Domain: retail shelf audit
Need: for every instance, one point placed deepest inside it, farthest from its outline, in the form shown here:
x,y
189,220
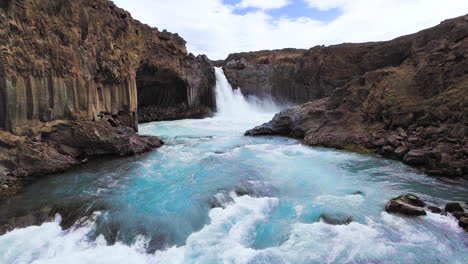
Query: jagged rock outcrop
x,y
406,99
83,61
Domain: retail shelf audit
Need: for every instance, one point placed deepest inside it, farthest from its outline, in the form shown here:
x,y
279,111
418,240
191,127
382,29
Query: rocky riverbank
x,y
411,205
62,145
405,99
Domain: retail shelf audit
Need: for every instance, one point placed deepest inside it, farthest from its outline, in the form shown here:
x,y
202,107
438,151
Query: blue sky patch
x,y
296,9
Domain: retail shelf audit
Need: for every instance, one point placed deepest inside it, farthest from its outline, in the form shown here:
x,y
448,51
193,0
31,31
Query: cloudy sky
x,y
220,27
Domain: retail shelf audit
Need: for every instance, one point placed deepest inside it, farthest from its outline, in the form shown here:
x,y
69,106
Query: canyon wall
x,y
84,69
75,60
406,99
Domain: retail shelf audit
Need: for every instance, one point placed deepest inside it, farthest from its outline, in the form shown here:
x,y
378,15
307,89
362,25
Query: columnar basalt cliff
x,y
406,99
85,70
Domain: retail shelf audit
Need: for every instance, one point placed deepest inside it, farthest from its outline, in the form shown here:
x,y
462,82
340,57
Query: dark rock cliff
x,y
406,99
64,63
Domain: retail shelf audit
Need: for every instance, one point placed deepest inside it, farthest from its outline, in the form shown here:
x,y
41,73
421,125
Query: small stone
x,y
4,187
453,207
434,209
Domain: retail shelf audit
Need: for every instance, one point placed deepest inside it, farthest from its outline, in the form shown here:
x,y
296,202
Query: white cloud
x,y
329,4
211,27
263,4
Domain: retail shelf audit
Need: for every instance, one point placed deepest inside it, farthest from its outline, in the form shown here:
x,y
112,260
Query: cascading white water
x,y
232,104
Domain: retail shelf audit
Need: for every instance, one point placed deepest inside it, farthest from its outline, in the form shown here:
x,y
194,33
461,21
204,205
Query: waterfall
x,y
231,103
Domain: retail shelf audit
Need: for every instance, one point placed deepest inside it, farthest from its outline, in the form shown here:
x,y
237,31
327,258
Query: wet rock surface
x,y
453,207
409,205
392,101
336,220
434,209
65,145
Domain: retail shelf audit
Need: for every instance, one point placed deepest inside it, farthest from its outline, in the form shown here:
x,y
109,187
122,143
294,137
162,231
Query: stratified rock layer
x,y
406,99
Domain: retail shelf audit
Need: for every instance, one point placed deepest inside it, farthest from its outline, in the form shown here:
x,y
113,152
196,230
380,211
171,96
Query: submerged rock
x,y
221,199
409,204
336,220
453,207
255,188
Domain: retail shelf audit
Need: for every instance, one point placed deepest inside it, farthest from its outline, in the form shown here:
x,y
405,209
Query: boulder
x,y
380,142
395,140
336,220
415,157
434,209
387,150
453,207
409,205
401,151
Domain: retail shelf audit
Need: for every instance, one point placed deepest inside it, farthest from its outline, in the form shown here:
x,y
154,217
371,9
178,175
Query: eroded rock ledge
x,y
405,99
62,145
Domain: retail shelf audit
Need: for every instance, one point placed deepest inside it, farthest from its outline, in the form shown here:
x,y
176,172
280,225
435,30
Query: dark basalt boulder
x,y
336,220
409,205
434,209
453,207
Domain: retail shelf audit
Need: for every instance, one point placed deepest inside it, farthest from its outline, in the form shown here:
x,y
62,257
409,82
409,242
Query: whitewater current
x,y
212,195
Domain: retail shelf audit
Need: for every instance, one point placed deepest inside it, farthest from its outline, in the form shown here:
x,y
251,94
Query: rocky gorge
x,y
75,76
405,99
119,146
